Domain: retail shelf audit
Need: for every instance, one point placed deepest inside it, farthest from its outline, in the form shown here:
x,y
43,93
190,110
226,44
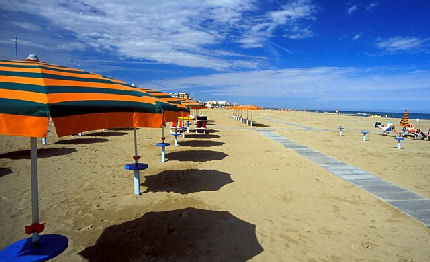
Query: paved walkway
x,y
406,201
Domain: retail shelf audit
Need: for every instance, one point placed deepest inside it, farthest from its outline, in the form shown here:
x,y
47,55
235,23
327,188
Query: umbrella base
x,y
50,246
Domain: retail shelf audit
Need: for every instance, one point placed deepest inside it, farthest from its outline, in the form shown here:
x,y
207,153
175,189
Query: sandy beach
x,y
230,195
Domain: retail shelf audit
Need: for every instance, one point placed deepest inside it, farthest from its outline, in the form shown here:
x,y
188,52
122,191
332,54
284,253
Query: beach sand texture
x,y
231,195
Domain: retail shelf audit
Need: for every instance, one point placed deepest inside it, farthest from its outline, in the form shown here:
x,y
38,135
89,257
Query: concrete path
x,y
406,201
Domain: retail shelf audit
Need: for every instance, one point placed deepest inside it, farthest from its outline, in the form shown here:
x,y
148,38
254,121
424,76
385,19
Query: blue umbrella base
x,y
163,144
50,246
133,166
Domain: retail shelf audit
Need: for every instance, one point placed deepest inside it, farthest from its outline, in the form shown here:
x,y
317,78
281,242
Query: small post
x,y
44,140
399,141
364,135
340,130
163,154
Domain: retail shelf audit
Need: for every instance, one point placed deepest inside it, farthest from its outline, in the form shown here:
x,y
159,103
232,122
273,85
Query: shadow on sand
x,y
205,136
81,141
187,181
5,171
122,129
196,155
107,133
179,235
200,143
259,125
41,153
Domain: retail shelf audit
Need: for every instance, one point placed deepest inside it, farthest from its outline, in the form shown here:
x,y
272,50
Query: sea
x,y
411,115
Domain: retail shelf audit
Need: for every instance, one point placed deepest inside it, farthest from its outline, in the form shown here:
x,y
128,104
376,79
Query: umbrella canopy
x,y
192,104
404,121
170,115
33,91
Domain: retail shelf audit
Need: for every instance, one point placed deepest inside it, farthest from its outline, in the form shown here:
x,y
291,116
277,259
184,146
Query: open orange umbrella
x,y
31,92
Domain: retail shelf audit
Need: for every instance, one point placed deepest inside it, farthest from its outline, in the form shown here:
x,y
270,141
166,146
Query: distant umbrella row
x,y
239,115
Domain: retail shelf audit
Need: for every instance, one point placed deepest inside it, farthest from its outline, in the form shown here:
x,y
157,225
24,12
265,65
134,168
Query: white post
x,y
136,171
34,190
44,140
163,154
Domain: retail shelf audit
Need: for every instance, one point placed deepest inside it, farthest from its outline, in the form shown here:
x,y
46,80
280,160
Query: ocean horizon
x,y
412,116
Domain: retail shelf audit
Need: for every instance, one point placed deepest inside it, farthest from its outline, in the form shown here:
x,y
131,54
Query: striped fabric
x,y
31,92
169,115
405,119
192,104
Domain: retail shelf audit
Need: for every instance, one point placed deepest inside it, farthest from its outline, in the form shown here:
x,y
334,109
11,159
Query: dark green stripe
x,y
20,107
58,77
23,87
90,107
68,89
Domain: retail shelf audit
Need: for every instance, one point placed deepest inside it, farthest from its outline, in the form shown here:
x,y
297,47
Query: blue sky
x,y
322,54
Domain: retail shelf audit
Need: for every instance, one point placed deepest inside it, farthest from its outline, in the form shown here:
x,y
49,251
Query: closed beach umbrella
x,y
404,121
31,92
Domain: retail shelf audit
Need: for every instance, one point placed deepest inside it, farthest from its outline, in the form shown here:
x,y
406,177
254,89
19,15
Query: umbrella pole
x,y
34,190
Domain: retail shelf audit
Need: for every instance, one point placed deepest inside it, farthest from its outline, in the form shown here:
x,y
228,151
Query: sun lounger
x,y
176,127
201,122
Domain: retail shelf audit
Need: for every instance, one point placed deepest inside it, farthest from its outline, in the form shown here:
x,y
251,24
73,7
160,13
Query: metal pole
x,y
34,190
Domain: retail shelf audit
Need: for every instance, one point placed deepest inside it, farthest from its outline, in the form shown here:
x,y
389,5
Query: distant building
x,y
211,104
180,95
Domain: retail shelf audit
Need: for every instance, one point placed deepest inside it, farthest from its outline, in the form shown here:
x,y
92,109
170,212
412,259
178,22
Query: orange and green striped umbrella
x,y
192,104
405,119
32,91
170,115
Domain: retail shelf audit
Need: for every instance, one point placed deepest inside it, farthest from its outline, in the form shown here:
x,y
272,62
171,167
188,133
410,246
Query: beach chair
x,y
385,130
201,122
176,127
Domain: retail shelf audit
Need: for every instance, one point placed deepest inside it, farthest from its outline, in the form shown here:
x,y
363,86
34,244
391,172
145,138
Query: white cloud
x,y
357,36
371,6
398,44
320,83
287,19
351,9
23,42
173,32
28,26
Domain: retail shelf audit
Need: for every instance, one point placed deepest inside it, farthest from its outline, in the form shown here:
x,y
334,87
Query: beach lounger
x,y
176,127
201,122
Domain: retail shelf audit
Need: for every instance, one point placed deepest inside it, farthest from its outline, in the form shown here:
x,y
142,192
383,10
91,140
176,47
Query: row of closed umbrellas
x,y
32,92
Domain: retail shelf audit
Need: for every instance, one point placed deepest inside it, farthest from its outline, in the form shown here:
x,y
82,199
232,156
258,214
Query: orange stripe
x,y
171,116
17,125
68,97
69,125
22,80
24,95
